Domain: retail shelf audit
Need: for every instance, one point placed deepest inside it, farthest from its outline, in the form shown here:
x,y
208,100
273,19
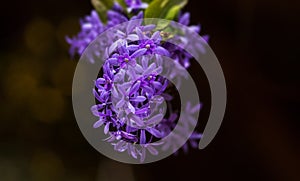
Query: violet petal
x,y
143,137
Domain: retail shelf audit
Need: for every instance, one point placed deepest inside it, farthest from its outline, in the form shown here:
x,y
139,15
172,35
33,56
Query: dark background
x,y
257,44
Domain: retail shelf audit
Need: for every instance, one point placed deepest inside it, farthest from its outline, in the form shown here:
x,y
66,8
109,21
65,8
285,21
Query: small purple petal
x,y
144,6
156,36
137,120
120,146
148,27
106,128
98,124
154,132
195,108
142,111
139,53
196,28
112,61
139,68
132,37
100,81
206,38
129,136
152,150
138,16
132,47
138,99
150,69
120,104
145,62
196,136
131,108
132,151
143,155
148,89
140,33
185,19
135,88
157,85
96,95
110,139
161,51
155,119
143,137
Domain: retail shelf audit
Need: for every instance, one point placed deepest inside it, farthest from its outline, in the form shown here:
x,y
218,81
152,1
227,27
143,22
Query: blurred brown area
x,y
257,43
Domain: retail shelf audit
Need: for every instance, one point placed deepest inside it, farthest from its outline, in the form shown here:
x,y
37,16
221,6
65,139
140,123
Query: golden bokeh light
x,y
39,36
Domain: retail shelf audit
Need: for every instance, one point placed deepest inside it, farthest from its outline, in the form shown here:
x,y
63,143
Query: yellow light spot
x,y
39,36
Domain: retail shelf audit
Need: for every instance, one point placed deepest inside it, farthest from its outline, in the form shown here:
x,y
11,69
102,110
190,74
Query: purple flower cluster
x,y
130,93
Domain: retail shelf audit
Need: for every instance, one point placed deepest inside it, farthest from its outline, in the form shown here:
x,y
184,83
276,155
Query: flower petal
x,y
152,150
156,36
143,155
106,128
131,108
149,27
133,37
120,103
139,68
132,151
140,33
100,81
161,51
135,88
148,90
155,119
98,123
145,62
150,69
143,137
157,85
139,53
138,99
185,19
132,47
154,132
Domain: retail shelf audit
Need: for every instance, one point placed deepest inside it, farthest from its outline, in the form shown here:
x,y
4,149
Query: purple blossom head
x,y
130,92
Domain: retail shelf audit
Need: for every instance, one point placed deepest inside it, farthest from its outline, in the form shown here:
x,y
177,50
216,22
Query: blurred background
x,y
257,44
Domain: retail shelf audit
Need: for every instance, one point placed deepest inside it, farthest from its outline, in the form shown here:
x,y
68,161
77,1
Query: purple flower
x,y
135,5
115,18
91,27
152,45
130,92
125,59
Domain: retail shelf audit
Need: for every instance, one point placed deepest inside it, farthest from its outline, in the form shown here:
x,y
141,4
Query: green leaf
x,y
173,12
166,9
102,6
147,1
122,3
